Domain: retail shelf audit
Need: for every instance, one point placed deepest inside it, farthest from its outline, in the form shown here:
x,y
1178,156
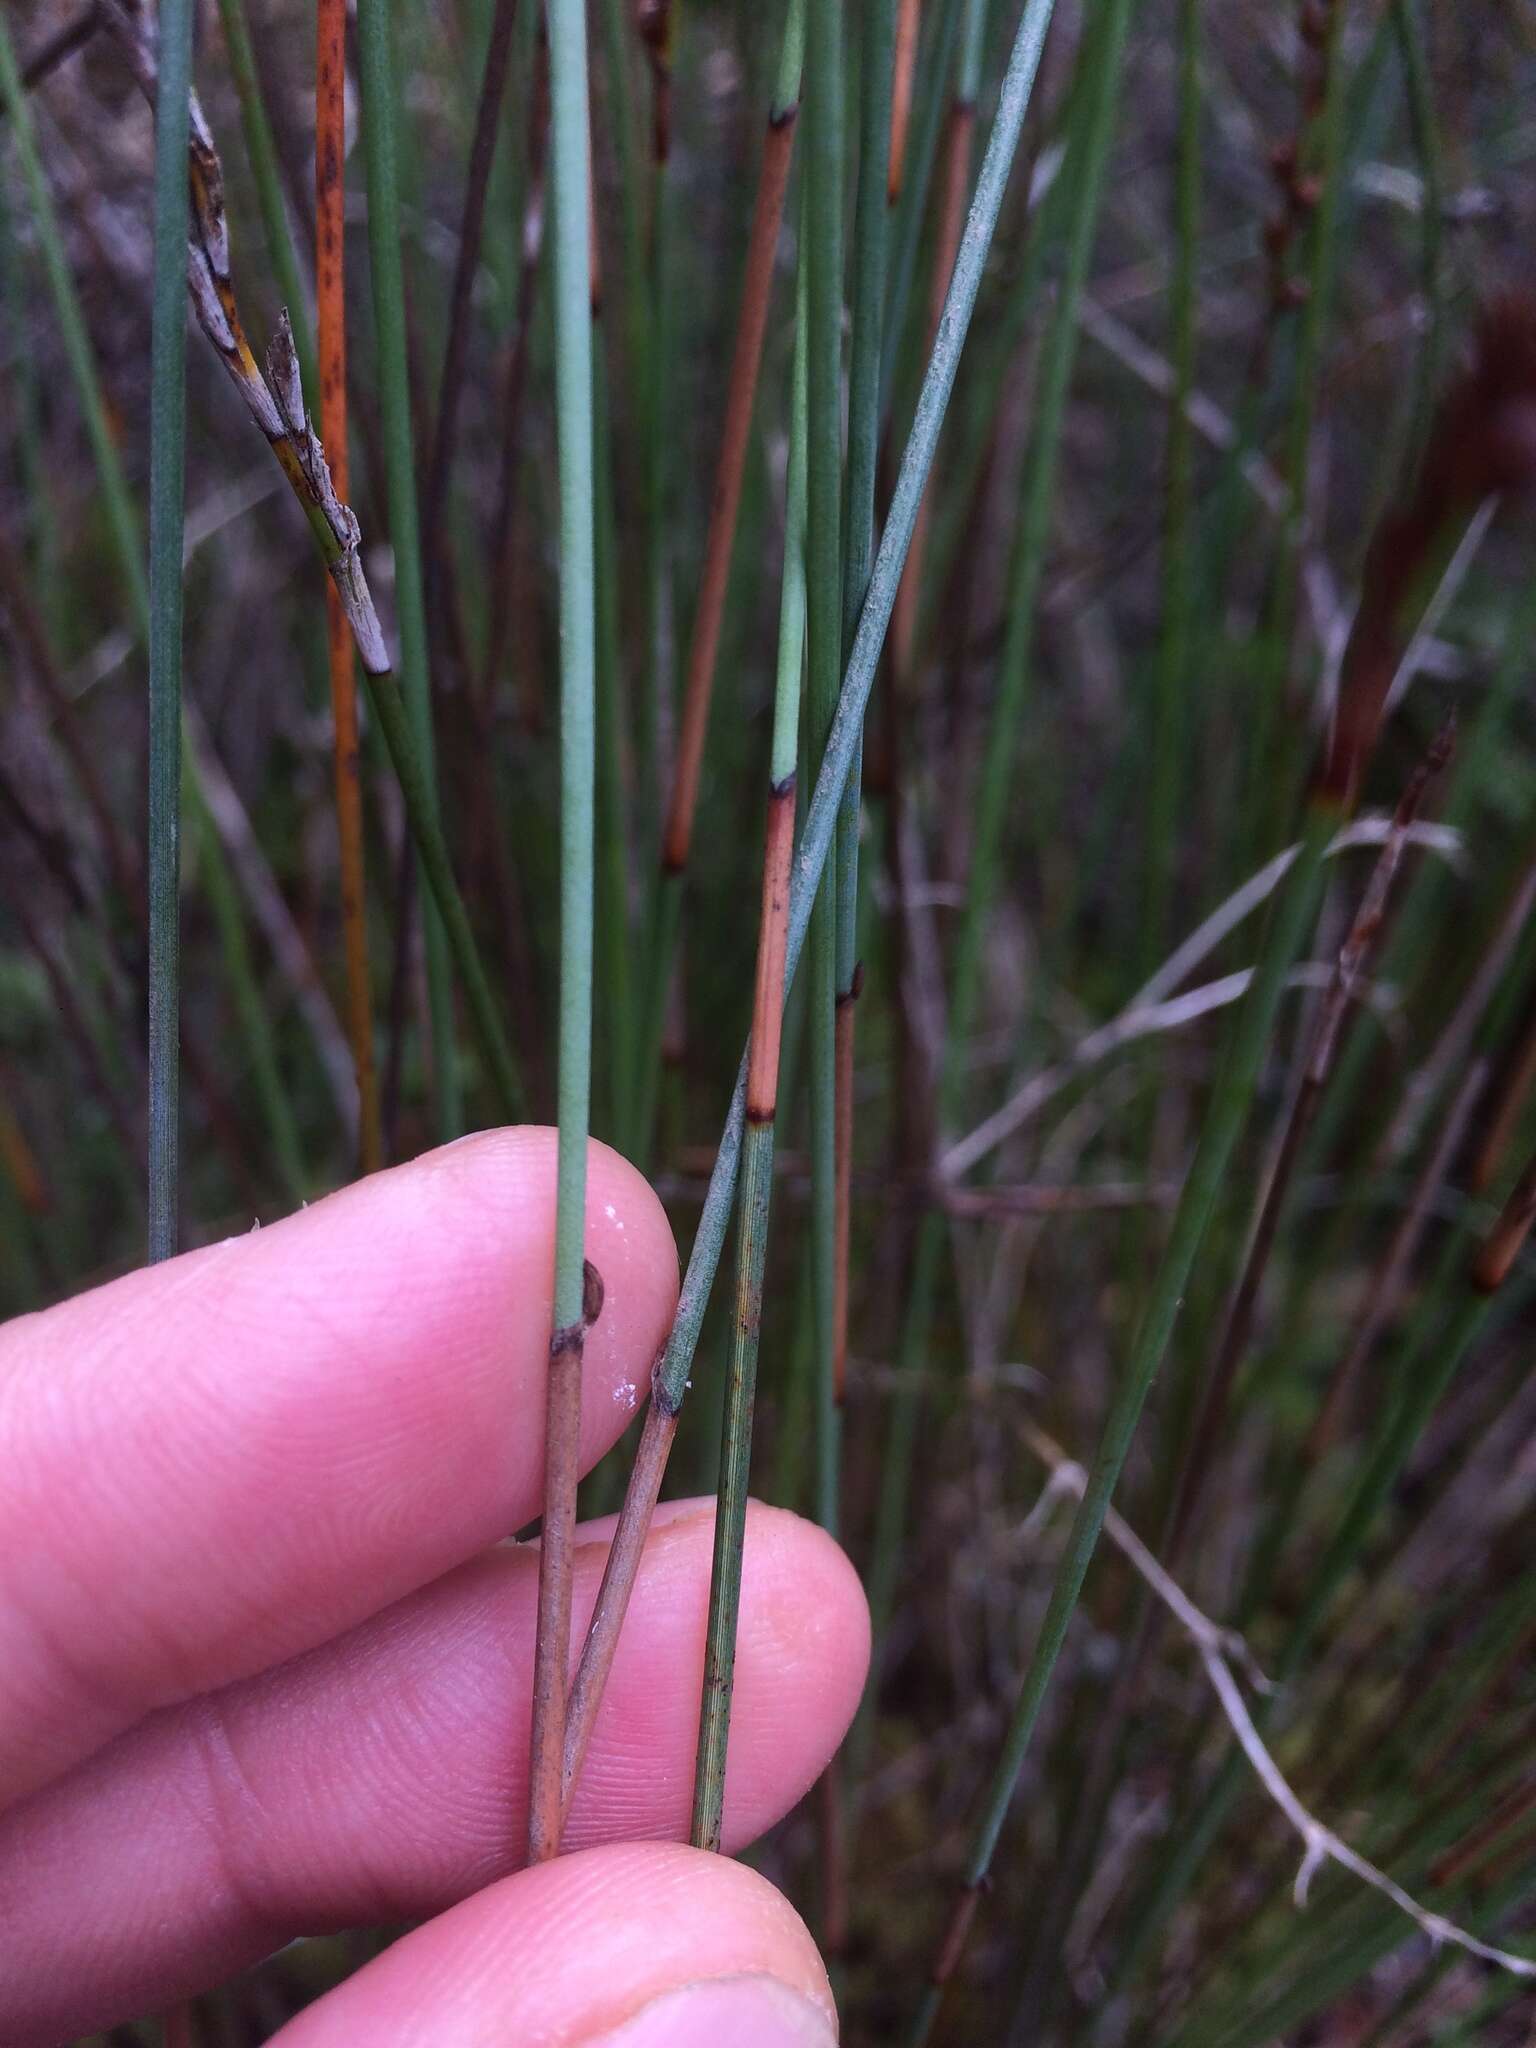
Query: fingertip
x,y
583,1950
491,1179
223,1460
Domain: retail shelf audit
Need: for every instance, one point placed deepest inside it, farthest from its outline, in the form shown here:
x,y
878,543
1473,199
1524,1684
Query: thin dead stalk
x,y
1237,1329
1224,1653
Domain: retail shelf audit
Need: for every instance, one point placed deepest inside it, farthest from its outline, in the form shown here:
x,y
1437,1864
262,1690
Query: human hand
x,y
265,1655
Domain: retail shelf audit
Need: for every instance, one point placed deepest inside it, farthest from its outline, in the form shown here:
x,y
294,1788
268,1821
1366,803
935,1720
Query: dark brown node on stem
x,y
661,1398
592,1293
568,1337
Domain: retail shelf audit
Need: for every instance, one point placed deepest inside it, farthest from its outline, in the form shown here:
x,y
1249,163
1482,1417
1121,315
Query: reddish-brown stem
x,y
619,1574
772,944
956,1936
725,502
19,1161
954,184
1509,1096
1503,1243
557,1550
901,96
330,302
1482,444
1238,1329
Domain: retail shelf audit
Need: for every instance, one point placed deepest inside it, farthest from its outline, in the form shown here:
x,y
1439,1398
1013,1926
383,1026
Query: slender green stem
x,y
1000,771
922,148
757,1158
78,352
670,1379
1431,1359
1096,110
374,30
617,1008
1160,861
1290,924
823,236
431,850
167,504
246,995
1269,789
573,399
261,152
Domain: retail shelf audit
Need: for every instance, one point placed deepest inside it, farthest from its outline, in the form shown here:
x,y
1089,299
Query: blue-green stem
x,y
757,1156
261,151
167,506
670,1379
569,155
375,46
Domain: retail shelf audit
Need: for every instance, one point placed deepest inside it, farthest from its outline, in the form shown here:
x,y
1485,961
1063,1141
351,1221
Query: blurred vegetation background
x,y
1255,298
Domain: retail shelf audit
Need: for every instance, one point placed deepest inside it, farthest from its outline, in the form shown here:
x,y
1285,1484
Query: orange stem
x,y
704,647
901,96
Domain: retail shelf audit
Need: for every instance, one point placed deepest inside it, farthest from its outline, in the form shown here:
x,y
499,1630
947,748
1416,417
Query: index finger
x,y
222,1461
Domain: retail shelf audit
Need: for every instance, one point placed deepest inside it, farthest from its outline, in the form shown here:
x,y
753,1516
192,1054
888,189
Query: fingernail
x,y
725,2012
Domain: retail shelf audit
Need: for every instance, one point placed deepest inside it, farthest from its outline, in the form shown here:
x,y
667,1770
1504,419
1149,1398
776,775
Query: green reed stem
x,y
417,793
245,994
758,1148
261,153
620,1024
670,1379
1290,924
1172,660
375,38
569,156
167,505
1096,112
127,547
870,237
1431,1359
823,231
922,148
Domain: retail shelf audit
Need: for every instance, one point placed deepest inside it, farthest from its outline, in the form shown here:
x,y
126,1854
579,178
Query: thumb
x,y
638,1945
